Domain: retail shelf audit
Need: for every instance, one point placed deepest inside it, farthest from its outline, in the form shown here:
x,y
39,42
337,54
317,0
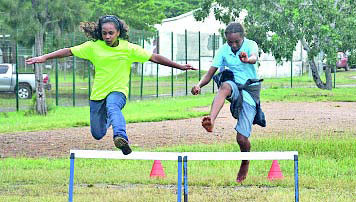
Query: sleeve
x,y
218,60
83,50
254,48
138,54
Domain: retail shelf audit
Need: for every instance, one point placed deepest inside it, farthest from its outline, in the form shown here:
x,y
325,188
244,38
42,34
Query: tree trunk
x,y
319,83
41,106
328,78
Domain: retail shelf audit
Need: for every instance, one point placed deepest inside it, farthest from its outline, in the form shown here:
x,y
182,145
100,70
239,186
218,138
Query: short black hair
x,y
234,27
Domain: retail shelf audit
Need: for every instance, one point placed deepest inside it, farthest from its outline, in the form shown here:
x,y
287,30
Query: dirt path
x,y
329,118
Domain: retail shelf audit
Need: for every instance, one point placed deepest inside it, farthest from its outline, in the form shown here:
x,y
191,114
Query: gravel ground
x,y
302,119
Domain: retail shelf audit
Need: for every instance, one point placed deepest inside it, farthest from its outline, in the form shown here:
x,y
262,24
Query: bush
x,y
352,59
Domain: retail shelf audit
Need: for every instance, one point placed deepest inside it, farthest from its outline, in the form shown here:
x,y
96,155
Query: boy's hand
x,y
195,90
243,57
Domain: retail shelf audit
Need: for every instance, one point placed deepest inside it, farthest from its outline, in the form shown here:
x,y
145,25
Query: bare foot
x,y
207,123
241,176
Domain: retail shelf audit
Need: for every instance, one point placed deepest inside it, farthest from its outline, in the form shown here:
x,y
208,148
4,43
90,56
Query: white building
x,y
178,31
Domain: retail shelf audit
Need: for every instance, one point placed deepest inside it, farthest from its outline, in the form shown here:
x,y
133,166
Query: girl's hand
x,y
188,67
39,59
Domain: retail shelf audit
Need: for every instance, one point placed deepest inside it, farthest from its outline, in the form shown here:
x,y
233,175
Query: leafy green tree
x,y
173,8
323,26
29,20
138,14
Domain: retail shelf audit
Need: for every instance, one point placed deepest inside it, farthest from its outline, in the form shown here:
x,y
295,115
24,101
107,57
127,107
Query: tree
x,y
173,8
138,14
30,20
141,14
323,26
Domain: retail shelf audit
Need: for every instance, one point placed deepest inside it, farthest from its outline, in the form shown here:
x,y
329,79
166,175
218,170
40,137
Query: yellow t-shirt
x,y
112,65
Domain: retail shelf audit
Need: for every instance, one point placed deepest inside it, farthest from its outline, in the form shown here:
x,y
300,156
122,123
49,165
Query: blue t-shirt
x,y
225,58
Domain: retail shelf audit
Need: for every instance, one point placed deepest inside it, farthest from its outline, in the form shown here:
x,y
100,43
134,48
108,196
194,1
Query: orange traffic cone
x,y
275,171
157,169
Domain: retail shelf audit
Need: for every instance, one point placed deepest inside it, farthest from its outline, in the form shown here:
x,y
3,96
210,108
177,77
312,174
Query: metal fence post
x,y
74,65
17,80
157,51
186,61
89,79
213,57
143,46
199,55
130,88
56,76
172,67
291,73
335,78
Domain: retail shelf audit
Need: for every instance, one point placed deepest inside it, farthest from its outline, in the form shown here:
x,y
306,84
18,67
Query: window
x,y
3,69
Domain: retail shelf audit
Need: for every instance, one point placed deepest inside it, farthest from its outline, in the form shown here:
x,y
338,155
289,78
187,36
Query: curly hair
x,y
93,30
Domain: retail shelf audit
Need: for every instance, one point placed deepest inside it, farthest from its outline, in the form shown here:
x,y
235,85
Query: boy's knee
x,y
241,139
225,88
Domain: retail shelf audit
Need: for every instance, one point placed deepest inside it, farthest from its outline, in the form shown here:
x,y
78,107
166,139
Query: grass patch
x,y
309,95
160,109
324,170
135,111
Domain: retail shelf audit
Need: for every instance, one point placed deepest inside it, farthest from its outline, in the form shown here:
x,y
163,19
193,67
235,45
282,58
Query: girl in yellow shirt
x,y
112,56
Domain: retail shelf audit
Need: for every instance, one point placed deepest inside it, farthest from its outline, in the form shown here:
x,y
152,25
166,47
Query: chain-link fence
x,y
71,78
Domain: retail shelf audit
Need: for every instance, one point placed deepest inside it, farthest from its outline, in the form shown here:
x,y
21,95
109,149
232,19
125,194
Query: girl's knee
x,y
97,135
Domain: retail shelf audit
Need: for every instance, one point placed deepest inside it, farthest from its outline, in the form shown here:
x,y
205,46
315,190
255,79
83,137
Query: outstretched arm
x,y
65,52
159,59
253,58
205,80
244,58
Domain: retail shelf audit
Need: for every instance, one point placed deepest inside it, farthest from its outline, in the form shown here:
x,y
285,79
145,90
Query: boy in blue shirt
x,y
239,55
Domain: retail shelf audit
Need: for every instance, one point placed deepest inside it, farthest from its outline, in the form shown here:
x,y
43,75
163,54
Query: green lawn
x,y
327,170
326,173
160,109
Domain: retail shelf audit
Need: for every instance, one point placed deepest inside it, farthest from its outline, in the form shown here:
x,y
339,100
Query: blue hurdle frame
x,y
181,160
185,166
185,169
71,178
296,181
179,189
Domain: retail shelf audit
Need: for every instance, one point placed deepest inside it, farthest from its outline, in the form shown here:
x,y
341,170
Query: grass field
x,y
326,173
327,170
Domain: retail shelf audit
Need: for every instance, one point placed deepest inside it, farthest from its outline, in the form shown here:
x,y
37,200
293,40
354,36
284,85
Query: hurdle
x,y
182,158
